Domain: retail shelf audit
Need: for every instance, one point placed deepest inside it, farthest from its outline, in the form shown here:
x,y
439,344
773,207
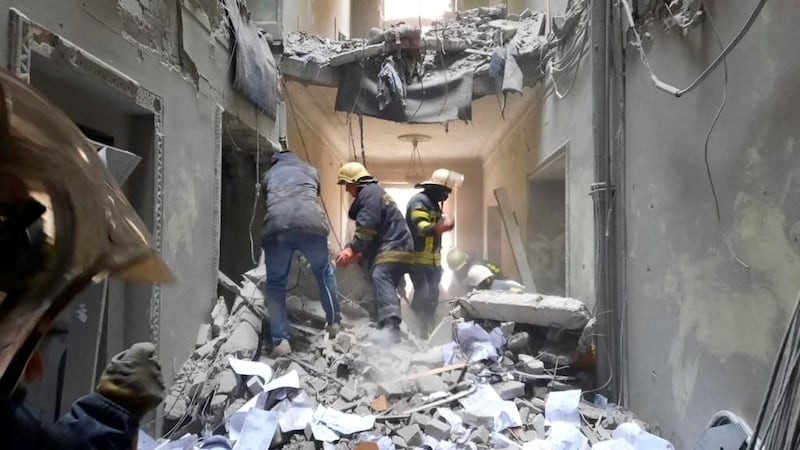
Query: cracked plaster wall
x,y
702,330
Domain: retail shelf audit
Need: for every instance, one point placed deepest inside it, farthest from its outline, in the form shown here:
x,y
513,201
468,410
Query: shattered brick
x,y
228,381
431,384
391,389
438,430
409,433
509,390
348,393
531,365
399,442
480,435
420,419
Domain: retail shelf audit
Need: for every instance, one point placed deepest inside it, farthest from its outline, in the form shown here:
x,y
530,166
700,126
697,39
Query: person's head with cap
x,y
353,176
441,183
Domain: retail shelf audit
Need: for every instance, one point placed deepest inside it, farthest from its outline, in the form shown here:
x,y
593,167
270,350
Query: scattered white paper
x,y
251,368
320,430
564,436
563,407
236,421
295,414
538,444
145,442
290,380
639,439
328,446
613,444
476,342
498,340
485,402
342,423
258,430
184,443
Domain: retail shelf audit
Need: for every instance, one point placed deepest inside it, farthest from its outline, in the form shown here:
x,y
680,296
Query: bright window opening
x,y
407,9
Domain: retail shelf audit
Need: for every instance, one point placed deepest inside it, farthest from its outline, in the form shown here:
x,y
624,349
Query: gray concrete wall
x,y
143,40
320,17
702,330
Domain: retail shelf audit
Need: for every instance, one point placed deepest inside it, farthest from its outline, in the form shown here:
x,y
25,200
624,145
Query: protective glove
x,y
444,225
133,379
344,258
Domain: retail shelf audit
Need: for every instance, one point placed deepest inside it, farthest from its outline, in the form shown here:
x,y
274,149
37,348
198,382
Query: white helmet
x,y
445,178
477,274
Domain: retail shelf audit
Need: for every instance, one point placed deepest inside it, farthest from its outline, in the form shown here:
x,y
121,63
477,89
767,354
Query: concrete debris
x,y
532,309
359,393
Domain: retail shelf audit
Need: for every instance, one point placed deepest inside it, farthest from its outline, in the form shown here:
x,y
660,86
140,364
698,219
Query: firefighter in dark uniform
x,y
63,222
381,238
427,224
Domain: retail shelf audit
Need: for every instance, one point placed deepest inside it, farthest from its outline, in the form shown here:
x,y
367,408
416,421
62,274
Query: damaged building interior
x,y
630,165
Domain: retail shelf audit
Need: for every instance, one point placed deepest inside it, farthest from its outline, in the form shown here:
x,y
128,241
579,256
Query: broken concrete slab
x,y
430,384
532,309
509,390
410,433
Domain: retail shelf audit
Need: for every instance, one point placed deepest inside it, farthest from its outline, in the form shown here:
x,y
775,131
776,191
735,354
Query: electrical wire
x,y
721,108
703,75
256,194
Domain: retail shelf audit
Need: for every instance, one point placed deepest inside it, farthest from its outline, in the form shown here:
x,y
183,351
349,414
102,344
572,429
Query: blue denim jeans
x,y
278,251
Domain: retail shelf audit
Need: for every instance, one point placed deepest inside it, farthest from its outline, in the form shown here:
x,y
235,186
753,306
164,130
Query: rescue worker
x,y
381,238
64,222
295,221
427,224
481,277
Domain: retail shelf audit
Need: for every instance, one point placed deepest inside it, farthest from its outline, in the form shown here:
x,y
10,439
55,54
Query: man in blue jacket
x,y
295,221
381,237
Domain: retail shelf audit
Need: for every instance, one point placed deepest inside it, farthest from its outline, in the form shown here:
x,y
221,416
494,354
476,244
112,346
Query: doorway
x,y
547,224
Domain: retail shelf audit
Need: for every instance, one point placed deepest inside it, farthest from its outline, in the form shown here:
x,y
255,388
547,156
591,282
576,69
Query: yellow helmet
x,y
457,259
352,172
444,177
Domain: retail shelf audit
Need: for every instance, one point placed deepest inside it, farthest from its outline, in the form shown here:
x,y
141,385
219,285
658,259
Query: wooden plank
x,y
515,237
444,369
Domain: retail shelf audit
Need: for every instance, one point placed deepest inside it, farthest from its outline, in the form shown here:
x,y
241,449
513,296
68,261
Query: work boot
x,y
333,329
282,349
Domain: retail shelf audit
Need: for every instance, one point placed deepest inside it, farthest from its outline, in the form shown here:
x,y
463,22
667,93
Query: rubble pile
x,y
481,381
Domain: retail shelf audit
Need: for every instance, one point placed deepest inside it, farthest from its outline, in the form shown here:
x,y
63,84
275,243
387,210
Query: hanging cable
x,y
721,108
361,126
668,88
256,194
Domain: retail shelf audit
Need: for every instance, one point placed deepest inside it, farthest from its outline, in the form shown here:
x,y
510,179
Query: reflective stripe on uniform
x,y
394,256
428,258
365,234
